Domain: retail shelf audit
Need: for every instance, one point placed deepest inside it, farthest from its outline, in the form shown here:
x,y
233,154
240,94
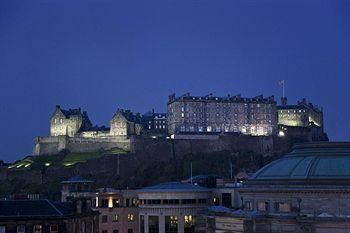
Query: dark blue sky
x,y
102,55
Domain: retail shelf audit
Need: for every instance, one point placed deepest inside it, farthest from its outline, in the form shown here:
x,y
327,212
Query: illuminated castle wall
x,y
72,130
210,114
301,114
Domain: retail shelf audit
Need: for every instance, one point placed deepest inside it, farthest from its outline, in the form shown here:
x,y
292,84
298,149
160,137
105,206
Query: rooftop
x,y
77,179
174,187
320,162
33,208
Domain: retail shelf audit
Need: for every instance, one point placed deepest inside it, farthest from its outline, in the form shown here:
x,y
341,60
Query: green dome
x,y
309,162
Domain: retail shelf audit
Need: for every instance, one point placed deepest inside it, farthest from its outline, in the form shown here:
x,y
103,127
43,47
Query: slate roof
x,y
71,112
34,208
174,187
130,116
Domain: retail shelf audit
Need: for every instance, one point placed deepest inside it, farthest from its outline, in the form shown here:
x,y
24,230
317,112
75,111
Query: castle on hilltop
x,y
188,117
72,130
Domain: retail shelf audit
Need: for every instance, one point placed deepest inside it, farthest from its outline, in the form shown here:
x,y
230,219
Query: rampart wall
x,y
53,145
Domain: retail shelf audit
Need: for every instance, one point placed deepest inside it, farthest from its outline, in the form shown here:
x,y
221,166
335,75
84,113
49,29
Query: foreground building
x,y
172,207
308,190
118,210
232,114
44,216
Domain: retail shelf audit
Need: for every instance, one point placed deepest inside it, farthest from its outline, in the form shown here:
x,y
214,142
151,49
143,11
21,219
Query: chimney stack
x,y
283,101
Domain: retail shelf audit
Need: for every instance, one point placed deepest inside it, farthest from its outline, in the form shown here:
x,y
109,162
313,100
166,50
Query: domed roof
x,y
310,162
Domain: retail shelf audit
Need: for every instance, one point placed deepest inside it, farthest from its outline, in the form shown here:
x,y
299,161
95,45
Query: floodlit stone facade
x,y
72,130
301,114
232,114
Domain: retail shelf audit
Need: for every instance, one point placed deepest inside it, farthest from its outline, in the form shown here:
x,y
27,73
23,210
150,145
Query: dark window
x,y
248,205
226,199
202,201
104,231
130,230
115,231
104,203
53,229
142,224
104,218
127,202
153,224
188,201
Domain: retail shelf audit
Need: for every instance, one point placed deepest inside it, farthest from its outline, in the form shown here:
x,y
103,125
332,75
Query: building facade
x,y
118,211
72,130
232,114
172,207
44,216
308,190
302,114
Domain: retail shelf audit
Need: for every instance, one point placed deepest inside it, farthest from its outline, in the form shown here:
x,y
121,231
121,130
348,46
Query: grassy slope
x,y
37,162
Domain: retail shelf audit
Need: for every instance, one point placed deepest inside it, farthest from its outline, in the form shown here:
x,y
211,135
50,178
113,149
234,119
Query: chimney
x,y
283,101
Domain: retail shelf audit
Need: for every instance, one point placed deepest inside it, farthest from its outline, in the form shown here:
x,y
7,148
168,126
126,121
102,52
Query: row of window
x,y
115,218
117,231
115,202
36,229
218,129
264,206
171,224
173,201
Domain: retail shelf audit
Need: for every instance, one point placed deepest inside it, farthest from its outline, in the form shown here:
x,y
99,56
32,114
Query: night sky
x,y
102,55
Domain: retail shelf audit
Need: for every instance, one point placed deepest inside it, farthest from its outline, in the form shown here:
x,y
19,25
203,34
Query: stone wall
x,y
53,145
180,147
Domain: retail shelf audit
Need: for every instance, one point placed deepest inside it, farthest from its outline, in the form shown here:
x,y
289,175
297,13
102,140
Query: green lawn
x,y
37,162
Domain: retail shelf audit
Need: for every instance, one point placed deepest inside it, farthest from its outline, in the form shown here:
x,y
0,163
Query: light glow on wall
x,y
110,202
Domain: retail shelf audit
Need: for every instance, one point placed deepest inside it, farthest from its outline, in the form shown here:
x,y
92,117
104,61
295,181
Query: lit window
x,y
200,128
115,218
2,229
21,229
130,217
263,206
110,202
188,219
37,229
182,115
282,207
209,128
61,120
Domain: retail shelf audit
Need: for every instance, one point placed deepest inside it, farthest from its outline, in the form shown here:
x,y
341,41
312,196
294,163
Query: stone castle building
x,y
302,114
232,114
72,130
